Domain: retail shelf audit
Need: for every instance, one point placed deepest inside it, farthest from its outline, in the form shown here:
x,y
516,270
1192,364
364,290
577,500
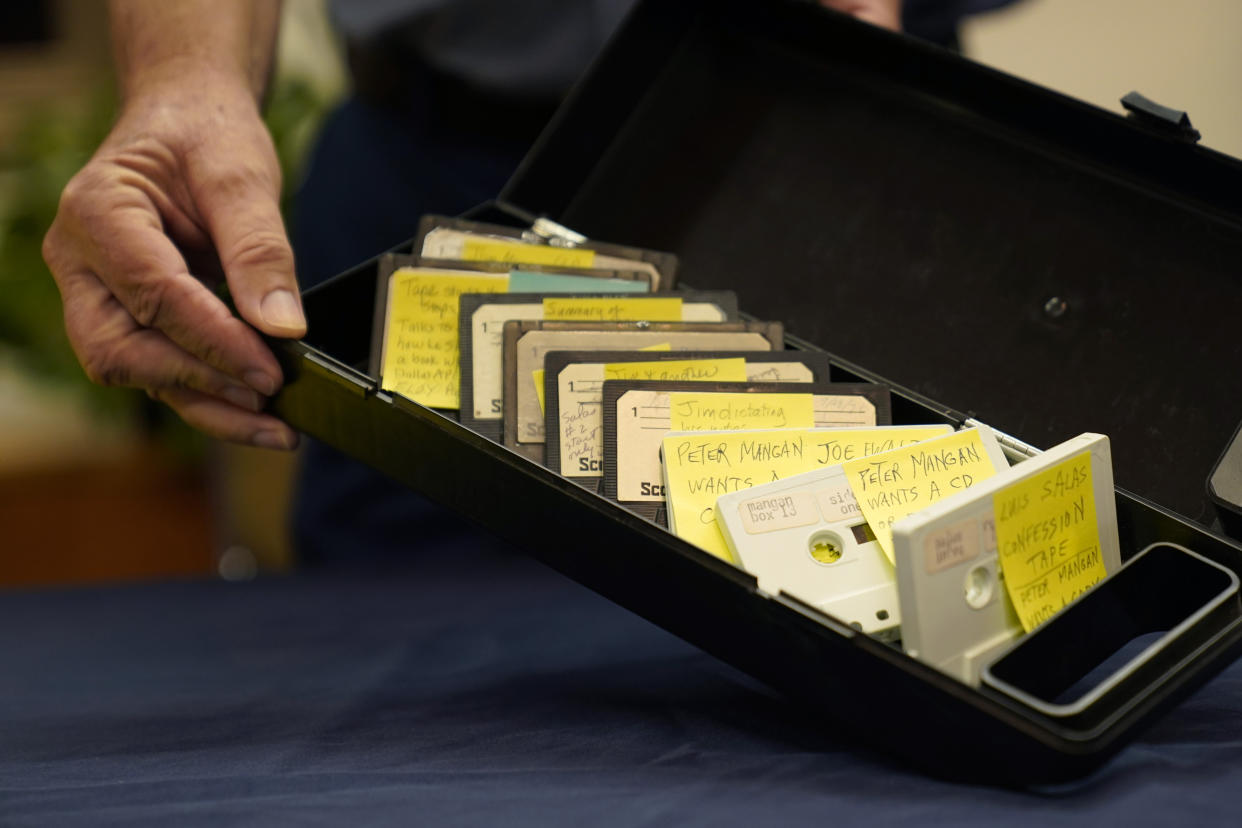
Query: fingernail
x,y
280,309
280,441
242,398
260,381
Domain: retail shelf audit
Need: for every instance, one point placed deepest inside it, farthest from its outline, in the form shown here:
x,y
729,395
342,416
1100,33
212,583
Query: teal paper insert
x,y
524,281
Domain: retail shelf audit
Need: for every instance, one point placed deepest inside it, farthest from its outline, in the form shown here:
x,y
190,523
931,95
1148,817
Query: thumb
x,y
240,208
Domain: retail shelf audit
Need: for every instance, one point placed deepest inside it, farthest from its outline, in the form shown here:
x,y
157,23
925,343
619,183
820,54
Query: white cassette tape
x,y
805,535
956,614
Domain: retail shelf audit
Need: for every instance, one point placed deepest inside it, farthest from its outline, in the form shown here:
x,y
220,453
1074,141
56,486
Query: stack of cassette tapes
x,y
581,356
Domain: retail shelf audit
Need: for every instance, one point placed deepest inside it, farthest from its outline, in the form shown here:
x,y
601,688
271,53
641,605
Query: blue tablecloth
x,y
477,688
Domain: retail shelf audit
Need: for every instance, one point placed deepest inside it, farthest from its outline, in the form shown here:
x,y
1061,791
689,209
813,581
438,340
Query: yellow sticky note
x,y
731,369
837,446
663,346
897,483
494,250
662,309
420,339
690,411
700,468
1048,539
537,376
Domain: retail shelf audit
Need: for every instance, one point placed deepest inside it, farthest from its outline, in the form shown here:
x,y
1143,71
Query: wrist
x,y
184,83
159,43
185,77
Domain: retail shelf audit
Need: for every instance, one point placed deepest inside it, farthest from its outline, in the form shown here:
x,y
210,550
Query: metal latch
x,y
1172,123
557,235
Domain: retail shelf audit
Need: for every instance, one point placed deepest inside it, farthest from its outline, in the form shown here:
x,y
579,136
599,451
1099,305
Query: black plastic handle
x,y
1122,641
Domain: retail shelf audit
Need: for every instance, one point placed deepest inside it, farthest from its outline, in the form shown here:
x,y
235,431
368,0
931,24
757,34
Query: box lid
x,y
1046,265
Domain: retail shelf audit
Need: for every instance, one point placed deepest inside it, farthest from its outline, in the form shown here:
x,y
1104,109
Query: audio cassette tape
x,y
1044,531
808,535
805,535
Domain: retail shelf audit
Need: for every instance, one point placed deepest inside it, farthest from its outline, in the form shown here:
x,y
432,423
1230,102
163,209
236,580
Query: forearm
x,y
180,41
183,193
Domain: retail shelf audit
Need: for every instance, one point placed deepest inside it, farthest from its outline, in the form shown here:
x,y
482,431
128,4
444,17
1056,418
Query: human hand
x,y
886,13
182,194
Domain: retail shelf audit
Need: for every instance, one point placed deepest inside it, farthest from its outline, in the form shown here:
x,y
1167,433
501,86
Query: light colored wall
x,y
1185,54
67,70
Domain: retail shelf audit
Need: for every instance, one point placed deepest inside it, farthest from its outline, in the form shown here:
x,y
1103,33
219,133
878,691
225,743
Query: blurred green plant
x,y
49,146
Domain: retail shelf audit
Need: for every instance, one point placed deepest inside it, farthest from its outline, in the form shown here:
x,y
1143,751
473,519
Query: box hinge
x,y
1014,448
341,375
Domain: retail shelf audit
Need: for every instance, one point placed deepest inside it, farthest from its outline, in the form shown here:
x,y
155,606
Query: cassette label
x,y
420,351
838,503
951,546
487,340
784,511
493,250
733,411
555,280
621,309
